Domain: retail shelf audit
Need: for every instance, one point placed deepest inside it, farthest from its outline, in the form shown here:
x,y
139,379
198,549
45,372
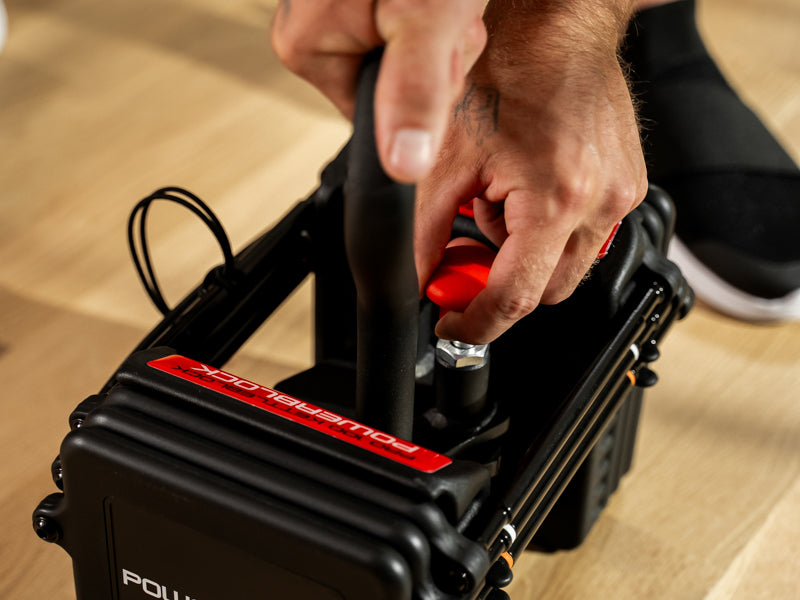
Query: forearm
x,y
518,28
554,53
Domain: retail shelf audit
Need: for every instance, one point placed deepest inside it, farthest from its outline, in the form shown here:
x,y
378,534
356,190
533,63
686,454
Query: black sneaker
x,y
736,189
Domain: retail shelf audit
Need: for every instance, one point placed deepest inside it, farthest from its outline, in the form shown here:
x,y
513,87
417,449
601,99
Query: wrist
x,y
537,46
522,28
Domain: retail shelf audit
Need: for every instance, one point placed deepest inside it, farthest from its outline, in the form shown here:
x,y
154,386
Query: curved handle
x,y
379,241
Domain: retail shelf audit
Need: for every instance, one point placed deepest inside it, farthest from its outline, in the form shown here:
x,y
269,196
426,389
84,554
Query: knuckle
x,y
575,188
628,196
621,203
573,196
511,308
476,36
288,48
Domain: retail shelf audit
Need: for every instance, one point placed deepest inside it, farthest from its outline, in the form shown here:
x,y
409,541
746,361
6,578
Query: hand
x,y
545,139
430,45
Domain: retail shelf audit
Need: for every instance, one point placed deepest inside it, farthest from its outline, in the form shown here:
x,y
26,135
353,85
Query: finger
x,y
490,219
579,255
324,41
474,42
421,75
336,76
584,244
510,294
437,202
524,265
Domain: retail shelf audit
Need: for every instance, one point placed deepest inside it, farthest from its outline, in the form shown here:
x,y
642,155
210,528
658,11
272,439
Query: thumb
x,y
421,75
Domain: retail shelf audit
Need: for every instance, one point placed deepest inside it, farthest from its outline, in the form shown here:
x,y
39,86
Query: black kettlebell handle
x,y
379,241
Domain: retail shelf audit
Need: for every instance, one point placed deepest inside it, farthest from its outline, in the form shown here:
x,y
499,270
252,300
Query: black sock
x,y
693,122
736,189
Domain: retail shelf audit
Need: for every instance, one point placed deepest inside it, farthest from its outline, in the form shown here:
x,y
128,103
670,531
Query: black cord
x,y
141,254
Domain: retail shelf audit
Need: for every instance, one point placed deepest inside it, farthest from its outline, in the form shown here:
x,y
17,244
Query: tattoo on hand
x,y
478,112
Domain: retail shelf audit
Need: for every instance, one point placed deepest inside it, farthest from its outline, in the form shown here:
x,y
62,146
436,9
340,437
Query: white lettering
x,y
329,416
148,587
287,400
225,377
129,577
405,447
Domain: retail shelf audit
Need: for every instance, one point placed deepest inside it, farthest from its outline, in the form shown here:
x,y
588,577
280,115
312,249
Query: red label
x,y
316,418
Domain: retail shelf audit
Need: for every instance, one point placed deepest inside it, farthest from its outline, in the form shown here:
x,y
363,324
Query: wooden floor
x,y
102,102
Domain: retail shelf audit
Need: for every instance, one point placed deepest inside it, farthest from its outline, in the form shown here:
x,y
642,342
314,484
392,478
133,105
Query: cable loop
x,y
141,253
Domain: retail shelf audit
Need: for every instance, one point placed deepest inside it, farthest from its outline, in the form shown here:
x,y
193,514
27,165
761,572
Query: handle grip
x,y
379,242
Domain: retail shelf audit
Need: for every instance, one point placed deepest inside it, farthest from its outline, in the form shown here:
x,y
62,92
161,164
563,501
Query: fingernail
x,y
411,153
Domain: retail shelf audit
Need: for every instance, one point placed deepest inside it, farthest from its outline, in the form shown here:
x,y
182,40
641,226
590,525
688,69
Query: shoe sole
x,y
725,298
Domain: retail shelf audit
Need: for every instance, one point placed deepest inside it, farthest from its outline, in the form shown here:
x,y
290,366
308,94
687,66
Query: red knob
x,y
462,273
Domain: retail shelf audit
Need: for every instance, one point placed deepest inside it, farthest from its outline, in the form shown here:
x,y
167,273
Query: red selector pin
x,y
460,276
461,373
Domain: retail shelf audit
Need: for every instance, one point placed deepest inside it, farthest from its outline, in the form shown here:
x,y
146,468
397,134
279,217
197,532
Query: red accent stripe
x,y
324,421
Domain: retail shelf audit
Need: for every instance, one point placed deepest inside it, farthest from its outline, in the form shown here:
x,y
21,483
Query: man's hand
x,y
430,45
545,139
544,136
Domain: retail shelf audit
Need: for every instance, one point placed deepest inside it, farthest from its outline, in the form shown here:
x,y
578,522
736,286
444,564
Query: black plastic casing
x,y
173,489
